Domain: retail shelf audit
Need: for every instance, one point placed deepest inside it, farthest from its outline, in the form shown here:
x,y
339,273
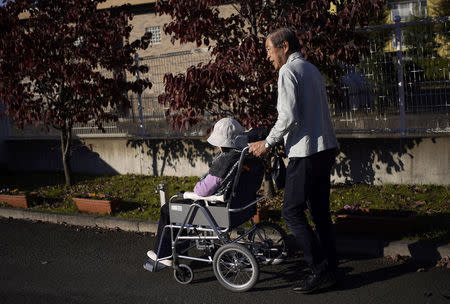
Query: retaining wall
x,y
4,133
370,160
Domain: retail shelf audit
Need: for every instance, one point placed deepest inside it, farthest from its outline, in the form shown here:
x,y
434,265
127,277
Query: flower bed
x,y
97,203
14,198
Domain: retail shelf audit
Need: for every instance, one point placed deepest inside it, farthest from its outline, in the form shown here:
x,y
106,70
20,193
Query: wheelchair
x,y
217,227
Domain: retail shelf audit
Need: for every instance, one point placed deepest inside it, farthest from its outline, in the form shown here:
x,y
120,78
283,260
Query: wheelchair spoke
x,y
235,267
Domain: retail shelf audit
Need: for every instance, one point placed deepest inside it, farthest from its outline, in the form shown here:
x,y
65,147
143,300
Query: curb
x,y
421,251
418,250
130,225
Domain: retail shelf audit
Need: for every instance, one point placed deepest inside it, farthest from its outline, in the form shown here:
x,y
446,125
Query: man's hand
x,y
257,148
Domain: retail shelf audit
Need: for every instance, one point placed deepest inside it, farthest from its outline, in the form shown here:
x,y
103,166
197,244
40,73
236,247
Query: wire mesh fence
x,y
146,116
402,86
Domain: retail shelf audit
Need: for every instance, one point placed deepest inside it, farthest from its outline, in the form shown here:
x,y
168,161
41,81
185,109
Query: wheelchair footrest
x,y
150,266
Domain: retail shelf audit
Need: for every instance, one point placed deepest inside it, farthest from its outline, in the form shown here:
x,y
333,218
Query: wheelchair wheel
x,y
235,267
268,243
183,274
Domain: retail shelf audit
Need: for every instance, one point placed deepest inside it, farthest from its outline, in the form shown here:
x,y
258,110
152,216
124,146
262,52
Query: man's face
x,y
277,56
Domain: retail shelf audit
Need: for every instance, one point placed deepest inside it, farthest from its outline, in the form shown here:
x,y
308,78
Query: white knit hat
x,y
225,132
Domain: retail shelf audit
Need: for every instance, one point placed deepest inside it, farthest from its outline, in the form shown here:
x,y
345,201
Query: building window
x,y
156,33
409,9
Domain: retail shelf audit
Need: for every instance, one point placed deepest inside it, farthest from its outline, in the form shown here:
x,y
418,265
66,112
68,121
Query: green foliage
x,y
140,201
137,191
427,199
440,8
424,199
431,202
423,43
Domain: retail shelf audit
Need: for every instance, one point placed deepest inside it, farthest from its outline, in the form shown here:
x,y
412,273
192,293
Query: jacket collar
x,y
294,56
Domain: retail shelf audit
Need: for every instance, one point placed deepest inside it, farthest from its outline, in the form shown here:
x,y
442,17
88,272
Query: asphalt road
x,y
49,263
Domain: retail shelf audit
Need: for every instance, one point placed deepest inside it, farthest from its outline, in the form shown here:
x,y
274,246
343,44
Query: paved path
x,y
48,263
345,245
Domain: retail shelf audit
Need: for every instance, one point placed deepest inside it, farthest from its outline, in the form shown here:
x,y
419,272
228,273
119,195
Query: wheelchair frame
x,y
206,223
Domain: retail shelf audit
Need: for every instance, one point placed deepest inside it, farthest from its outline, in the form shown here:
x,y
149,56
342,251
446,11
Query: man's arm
x,y
286,107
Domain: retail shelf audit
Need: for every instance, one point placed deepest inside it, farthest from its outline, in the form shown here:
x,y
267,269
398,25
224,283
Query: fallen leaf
x,y
419,203
421,270
396,257
44,262
400,258
444,262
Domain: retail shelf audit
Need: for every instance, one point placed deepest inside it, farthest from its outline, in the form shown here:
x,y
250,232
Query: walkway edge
x,y
345,245
131,225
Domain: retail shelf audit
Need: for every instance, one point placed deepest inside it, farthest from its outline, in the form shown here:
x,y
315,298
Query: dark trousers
x,y
163,241
308,187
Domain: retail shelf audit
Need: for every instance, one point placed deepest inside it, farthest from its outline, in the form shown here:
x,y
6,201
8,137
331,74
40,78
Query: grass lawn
x,y
140,201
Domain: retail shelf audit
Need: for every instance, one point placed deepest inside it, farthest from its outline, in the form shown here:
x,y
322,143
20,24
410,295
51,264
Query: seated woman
x,y
223,136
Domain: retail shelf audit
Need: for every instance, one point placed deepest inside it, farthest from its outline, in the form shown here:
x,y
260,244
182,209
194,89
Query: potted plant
x,y
14,197
262,212
355,218
97,203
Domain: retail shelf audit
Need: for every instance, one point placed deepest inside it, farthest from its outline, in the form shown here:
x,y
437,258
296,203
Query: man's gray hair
x,y
278,36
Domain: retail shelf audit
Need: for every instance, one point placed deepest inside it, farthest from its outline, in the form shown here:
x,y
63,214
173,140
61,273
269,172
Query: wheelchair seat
x,y
233,203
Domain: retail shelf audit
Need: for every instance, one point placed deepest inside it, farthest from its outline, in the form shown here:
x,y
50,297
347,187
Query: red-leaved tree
x,y
65,62
239,81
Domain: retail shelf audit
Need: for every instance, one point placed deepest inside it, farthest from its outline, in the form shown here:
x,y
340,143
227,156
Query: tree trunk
x,y
66,144
269,189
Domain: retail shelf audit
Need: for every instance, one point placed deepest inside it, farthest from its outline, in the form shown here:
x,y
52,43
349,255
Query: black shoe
x,y
315,282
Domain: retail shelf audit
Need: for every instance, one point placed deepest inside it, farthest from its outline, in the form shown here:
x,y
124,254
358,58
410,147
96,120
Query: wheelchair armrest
x,y
211,198
251,203
178,195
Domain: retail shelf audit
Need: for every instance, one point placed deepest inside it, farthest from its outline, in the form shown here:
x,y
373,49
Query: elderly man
x,y
305,125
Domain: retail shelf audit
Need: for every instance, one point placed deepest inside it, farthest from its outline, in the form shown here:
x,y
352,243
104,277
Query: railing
x,y
400,88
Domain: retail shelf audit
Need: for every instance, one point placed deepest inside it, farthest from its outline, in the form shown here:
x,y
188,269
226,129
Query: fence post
x,y
141,115
401,82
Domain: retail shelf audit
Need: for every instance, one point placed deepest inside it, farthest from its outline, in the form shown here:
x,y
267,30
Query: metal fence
x,y
401,87
145,117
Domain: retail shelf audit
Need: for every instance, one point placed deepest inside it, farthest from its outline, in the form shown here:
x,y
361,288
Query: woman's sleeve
x,y
208,185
